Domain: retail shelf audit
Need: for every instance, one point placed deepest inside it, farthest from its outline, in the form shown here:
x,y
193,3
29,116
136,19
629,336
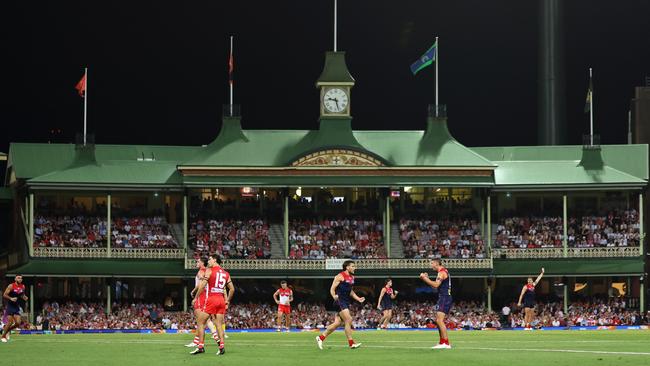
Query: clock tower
x,y
335,83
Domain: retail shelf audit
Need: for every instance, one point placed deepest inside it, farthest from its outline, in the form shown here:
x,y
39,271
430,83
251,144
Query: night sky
x,y
158,69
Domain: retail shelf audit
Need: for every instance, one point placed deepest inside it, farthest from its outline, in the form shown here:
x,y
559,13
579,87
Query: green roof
x,y
519,167
567,166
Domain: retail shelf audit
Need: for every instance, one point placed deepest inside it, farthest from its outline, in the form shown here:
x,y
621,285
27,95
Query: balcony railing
x,y
49,252
321,264
543,253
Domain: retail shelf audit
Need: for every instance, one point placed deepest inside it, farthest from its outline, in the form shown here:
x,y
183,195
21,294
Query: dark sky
x,y
158,68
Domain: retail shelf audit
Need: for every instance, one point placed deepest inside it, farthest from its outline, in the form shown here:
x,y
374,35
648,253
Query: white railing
x,y
320,264
540,253
57,252
167,253
125,253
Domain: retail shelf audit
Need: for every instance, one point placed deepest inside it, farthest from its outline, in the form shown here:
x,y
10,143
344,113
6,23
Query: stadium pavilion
x,y
281,176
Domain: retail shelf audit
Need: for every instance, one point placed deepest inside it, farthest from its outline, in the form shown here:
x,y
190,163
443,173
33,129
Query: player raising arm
x,y
528,295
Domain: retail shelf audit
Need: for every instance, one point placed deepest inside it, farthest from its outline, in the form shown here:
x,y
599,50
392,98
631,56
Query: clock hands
x,y
335,101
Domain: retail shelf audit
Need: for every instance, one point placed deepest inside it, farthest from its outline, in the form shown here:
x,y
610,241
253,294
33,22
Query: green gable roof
x,y
568,166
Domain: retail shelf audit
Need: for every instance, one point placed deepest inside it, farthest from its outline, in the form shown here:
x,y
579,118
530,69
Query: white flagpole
x,y
85,102
335,8
231,81
591,108
437,59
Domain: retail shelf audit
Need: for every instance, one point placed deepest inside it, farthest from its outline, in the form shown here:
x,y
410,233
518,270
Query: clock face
x,y
335,100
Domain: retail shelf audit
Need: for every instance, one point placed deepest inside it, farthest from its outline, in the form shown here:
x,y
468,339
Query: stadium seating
x,y
336,238
232,238
446,238
91,231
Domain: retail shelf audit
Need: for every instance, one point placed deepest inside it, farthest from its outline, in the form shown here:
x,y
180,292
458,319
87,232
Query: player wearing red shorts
x,y
200,300
216,280
283,297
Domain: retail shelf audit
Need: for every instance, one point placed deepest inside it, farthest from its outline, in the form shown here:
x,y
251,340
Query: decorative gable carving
x,y
337,158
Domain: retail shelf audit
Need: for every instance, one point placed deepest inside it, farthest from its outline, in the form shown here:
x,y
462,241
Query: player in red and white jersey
x,y
199,302
216,280
283,297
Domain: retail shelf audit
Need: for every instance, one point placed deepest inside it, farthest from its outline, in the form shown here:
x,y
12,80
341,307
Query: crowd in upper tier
x,y
91,232
442,238
618,228
336,238
232,238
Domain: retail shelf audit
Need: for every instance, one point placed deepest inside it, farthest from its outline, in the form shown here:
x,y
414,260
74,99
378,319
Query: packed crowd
x,y
406,314
90,232
619,228
70,231
75,316
244,239
447,238
336,238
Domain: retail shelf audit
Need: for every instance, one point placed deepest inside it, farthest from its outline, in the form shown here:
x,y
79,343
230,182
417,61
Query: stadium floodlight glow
x,y
299,191
408,189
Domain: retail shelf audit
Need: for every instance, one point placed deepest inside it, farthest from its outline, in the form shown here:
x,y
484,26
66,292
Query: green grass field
x,y
379,348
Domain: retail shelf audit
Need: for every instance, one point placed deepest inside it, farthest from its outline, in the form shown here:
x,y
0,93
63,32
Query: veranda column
x,y
387,227
108,296
185,297
31,224
286,225
566,297
31,301
109,230
489,225
642,296
565,225
185,222
641,239
488,289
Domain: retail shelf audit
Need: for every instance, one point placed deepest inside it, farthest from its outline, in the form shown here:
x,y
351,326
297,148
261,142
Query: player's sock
x,y
201,344
221,344
350,342
322,337
196,340
215,336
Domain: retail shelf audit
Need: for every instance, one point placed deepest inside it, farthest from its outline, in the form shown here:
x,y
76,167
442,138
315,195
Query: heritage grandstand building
x,y
111,212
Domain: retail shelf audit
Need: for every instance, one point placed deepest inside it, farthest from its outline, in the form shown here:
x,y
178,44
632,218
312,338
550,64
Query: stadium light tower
x,y
551,103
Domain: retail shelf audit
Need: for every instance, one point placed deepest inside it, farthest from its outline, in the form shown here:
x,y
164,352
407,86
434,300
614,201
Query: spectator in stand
x,y
243,239
445,238
336,238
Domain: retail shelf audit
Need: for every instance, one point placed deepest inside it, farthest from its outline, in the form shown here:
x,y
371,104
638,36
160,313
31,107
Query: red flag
x,y
81,86
231,67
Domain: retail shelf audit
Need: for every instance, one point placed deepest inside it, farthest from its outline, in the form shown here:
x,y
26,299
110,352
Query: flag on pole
x,y
425,60
590,91
81,86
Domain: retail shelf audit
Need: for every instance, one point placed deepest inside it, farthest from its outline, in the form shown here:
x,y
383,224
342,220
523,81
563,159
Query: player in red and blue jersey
x,y
528,295
385,303
16,298
283,297
443,285
343,294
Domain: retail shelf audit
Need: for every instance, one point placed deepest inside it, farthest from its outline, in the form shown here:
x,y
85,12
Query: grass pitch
x,y
393,348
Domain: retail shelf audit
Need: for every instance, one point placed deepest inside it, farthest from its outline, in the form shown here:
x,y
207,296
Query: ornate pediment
x,y
337,157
